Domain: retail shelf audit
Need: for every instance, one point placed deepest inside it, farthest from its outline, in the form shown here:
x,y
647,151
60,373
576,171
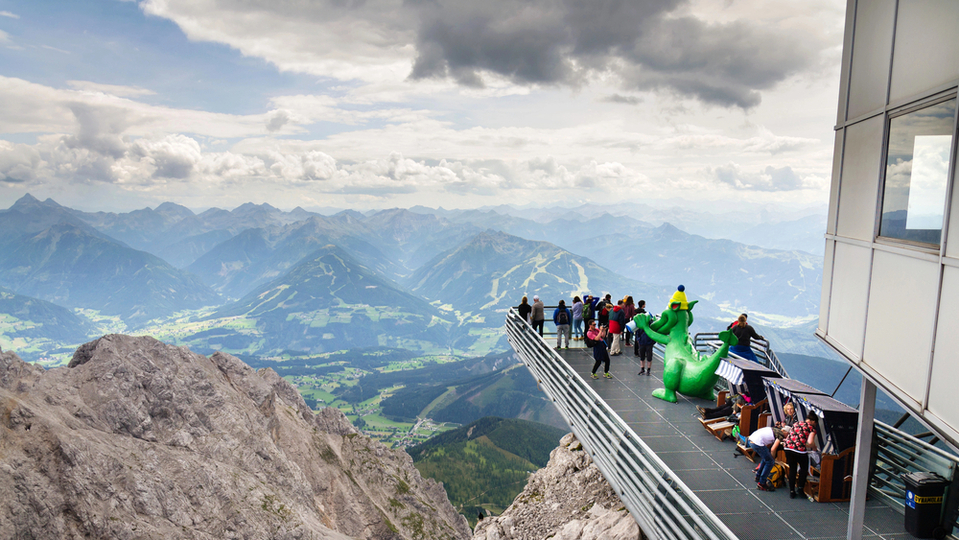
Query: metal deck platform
x,y
708,467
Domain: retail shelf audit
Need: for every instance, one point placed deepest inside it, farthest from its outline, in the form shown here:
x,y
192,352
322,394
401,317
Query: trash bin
x,y
924,504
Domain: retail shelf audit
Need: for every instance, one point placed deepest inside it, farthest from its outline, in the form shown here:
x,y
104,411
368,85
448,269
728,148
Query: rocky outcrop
x,y
567,500
139,439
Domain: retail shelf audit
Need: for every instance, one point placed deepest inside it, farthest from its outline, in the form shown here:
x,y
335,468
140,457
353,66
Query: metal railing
x,y
709,341
662,505
895,453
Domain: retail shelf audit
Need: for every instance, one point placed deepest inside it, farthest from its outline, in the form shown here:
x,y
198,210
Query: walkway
x,y
708,467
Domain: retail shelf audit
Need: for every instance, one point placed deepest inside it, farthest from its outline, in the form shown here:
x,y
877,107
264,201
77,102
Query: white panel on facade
x,y
847,306
834,185
945,367
902,301
926,30
826,281
870,56
859,182
952,236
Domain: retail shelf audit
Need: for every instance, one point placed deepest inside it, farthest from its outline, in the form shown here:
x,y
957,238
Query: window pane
x,y
917,173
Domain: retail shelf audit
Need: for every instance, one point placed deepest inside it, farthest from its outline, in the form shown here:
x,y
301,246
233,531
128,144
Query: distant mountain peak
x,y
29,202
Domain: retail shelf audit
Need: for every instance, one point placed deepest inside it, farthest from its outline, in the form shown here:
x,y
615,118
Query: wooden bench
x,y
719,427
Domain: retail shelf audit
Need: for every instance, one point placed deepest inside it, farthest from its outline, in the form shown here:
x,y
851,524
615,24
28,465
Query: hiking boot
x,y
701,410
607,375
792,494
641,371
595,376
761,487
649,372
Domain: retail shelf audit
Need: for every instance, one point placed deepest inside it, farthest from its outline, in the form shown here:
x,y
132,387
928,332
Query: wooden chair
x,y
834,482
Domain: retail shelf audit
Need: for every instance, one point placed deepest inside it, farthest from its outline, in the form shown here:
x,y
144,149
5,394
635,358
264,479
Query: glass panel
x,y
917,172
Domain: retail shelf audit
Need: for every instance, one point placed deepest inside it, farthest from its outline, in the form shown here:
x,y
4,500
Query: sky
x,y
116,105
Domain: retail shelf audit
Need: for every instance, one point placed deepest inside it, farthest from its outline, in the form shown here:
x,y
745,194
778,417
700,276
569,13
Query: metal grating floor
x,y
708,467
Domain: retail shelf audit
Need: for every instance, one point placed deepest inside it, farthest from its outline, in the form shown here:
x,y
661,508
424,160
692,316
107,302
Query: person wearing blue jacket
x,y
562,318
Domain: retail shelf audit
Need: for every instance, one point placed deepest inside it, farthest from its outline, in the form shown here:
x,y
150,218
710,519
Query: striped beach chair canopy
x,y
746,376
779,391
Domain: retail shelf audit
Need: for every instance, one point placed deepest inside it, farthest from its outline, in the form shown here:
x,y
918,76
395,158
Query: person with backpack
x,y
562,318
643,344
595,340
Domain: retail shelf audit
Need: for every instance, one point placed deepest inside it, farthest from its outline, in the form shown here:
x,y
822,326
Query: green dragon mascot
x,y
685,371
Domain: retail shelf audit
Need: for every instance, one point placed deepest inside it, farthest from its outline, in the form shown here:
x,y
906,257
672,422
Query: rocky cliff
x,y
567,500
139,439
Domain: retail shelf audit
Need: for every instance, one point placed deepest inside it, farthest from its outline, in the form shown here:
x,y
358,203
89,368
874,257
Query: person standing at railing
x,y
643,345
562,318
629,311
744,333
524,309
616,325
538,315
577,311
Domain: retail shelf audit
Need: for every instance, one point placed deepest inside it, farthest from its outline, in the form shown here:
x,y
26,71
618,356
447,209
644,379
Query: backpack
x,y
562,317
777,476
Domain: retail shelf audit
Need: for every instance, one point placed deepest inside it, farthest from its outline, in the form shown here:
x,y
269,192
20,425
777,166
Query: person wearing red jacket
x,y
617,322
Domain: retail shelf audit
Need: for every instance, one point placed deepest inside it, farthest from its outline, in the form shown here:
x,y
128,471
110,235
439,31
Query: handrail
x,y
662,505
896,453
709,341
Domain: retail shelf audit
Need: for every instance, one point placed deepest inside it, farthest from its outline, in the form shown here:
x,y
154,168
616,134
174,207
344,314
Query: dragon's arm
x,y
643,321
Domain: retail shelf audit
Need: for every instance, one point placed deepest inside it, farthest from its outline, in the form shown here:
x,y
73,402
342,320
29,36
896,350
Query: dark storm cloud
x,y
560,42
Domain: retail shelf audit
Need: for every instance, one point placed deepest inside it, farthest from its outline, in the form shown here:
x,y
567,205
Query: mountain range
x,y
252,280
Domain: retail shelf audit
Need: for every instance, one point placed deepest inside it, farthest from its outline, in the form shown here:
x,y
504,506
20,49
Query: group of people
x,y
606,332
797,438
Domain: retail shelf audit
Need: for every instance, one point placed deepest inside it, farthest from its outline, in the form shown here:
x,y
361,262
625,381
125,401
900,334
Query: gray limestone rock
x,y
139,439
567,500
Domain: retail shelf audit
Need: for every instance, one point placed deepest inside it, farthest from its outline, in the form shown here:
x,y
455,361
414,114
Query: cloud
x,y
723,56
769,179
560,42
99,129
19,163
111,89
626,100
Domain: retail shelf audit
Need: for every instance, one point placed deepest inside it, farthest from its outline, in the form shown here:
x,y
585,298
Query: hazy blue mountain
x,y
803,234
257,256
184,252
411,238
766,283
329,301
32,318
493,271
143,229
67,265
29,216
180,236
557,226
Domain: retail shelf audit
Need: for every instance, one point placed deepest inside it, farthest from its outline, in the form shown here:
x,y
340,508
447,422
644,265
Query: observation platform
x,y
708,467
